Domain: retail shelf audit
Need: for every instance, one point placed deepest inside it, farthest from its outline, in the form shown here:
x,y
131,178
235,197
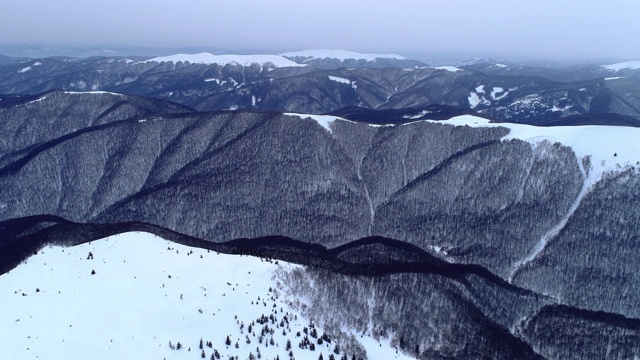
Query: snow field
x,y
145,293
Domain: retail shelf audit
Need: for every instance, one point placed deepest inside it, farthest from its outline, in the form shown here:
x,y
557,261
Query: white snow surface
x,y
419,115
476,99
339,79
611,148
555,108
340,55
92,92
24,70
37,100
614,78
632,65
324,120
37,63
448,68
244,60
498,90
145,292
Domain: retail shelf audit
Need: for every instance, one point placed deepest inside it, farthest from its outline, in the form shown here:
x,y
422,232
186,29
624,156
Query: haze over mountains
x,y
430,218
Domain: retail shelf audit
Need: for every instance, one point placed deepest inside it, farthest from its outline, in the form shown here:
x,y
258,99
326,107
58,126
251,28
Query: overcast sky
x,y
534,29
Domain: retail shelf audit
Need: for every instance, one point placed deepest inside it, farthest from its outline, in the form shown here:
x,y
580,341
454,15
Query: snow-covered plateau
x,y
340,55
136,296
222,60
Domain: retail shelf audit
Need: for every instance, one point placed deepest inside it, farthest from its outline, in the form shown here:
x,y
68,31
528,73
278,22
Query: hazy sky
x,y
540,29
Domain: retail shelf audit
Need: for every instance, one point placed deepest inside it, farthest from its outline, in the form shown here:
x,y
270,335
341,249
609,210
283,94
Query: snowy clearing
x,y
339,79
475,99
419,115
129,295
497,90
448,68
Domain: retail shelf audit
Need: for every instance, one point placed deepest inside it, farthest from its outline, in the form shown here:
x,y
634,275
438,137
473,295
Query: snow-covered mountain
x,y
135,296
340,55
455,238
334,59
503,92
270,61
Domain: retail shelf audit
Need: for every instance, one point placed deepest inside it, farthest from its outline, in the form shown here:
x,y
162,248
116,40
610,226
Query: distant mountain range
x,y
324,81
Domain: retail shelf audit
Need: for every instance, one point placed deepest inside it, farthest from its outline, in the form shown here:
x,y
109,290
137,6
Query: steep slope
x,y
465,207
31,124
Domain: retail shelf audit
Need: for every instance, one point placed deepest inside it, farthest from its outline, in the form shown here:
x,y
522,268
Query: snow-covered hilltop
x,y
137,296
333,59
339,54
631,65
222,60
